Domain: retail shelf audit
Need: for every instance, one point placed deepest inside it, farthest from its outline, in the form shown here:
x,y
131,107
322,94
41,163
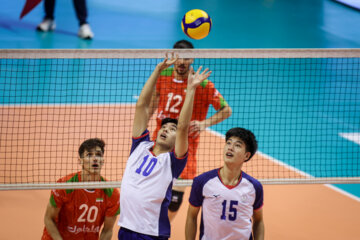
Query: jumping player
x,y
151,167
74,214
231,200
168,99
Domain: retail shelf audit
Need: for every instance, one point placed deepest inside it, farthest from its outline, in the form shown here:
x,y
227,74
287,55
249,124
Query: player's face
x,y
235,151
93,160
166,135
182,66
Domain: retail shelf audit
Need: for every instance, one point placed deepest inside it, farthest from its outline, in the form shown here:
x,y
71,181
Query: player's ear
x,y
247,156
191,60
80,160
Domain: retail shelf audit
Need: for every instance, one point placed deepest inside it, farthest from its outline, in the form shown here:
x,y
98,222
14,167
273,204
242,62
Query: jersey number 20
x,y
88,214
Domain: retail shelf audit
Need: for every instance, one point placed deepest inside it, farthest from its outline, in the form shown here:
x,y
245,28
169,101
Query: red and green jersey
x,y
171,99
82,211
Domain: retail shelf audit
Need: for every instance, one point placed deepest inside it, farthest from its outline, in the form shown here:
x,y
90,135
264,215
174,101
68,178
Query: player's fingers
x,y
205,71
192,128
196,134
191,70
174,59
166,58
207,74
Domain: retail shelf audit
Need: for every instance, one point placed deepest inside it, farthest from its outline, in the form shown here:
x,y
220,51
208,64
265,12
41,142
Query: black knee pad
x,y
176,200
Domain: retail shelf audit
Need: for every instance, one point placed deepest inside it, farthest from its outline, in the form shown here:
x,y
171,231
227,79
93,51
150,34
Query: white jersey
x,y
146,188
226,210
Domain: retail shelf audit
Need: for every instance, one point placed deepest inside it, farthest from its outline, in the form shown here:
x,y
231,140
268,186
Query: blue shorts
x,y
126,234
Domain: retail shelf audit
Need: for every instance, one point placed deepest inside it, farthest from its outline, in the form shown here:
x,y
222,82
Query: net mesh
x,y
303,106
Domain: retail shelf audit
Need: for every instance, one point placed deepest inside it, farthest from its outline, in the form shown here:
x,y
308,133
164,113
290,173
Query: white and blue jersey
x,y
146,188
226,210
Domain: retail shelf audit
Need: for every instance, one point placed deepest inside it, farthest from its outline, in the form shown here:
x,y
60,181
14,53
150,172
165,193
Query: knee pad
x,y
176,200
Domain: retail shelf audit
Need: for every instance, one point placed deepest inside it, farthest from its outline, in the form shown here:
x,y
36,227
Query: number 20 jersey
x,y
82,211
146,188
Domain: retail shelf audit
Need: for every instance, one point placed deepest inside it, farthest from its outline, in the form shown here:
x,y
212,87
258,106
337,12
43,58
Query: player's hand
x,y
167,62
195,128
194,79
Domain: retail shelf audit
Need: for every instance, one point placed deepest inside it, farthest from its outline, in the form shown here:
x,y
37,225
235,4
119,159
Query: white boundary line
x,y
295,170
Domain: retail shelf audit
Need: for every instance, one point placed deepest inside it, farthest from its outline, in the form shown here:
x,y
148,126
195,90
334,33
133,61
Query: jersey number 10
x,y
149,167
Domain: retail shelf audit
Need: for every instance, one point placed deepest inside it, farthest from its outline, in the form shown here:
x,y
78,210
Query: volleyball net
x,y
303,105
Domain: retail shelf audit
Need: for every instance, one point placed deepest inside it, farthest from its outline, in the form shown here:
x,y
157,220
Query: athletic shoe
x,y
46,25
85,32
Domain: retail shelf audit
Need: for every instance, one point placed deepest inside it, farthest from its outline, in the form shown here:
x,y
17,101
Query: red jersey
x,y
172,94
82,212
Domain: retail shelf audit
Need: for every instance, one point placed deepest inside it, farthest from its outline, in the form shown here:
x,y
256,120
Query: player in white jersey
x,y
231,200
150,170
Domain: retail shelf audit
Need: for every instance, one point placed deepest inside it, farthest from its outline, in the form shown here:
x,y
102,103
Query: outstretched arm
x,y
194,80
142,110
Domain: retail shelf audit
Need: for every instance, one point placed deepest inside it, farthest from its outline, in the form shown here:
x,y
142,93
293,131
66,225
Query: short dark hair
x,y
169,120
183,44
90,144
246,136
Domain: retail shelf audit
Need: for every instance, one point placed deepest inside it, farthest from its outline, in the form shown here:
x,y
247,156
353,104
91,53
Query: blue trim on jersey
x,y
196,196
164,223
259,198
177,164
145,136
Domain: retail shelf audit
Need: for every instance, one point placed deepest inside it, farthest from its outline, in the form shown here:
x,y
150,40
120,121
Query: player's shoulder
x,y
251,179
206,84
167,72
206,176
109,191
72,177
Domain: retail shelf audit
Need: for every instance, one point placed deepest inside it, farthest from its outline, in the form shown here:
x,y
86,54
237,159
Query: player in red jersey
x,y
168,100
74,214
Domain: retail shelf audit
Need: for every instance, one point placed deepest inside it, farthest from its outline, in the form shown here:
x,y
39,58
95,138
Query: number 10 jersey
x,y
146,188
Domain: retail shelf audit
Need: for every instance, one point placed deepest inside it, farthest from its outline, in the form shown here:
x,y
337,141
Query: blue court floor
x,y
156,24
120,24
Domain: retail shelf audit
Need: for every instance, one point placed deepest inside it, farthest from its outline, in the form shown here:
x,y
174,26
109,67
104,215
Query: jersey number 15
x,y
232,210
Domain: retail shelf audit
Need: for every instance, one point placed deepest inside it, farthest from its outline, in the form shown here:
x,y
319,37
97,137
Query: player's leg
x,y
81,14
48,23
177,194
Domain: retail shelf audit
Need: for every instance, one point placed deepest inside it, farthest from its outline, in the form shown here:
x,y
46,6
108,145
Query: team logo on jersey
x,y
85,229
243,198
216,195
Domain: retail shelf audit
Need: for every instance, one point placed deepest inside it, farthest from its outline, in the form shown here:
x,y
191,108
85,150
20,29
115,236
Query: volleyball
x,y
196,24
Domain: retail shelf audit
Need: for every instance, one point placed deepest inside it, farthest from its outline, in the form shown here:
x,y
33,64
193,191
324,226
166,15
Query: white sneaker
x,y
46,25
85,32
